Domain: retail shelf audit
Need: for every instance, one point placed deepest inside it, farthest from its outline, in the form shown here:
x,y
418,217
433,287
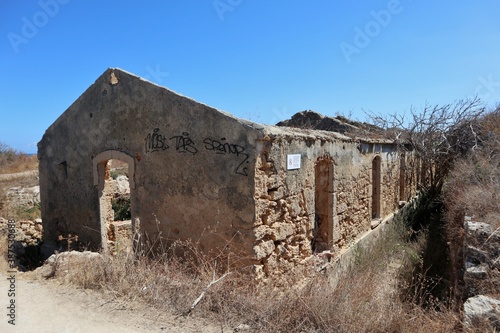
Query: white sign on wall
x,y
293,161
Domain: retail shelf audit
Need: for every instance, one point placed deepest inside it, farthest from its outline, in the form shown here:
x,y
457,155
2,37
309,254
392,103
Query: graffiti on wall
x,y
225,148
184,144
155,141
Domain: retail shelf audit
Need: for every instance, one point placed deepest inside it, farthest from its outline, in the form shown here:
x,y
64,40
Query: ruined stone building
x,y
274,195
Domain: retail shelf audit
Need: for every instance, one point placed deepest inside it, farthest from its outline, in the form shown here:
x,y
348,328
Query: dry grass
x,y
367,299
17,162
13,162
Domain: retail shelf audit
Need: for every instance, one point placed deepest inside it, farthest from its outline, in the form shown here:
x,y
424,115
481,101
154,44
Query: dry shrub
x,y
163,281
17,162
474,189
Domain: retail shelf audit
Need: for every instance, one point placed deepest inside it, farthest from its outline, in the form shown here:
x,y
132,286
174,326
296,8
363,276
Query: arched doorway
x,y
114,177
324,202
376,190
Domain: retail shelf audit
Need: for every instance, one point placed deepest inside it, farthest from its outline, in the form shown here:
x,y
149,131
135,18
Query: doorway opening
x,y
376,187
324,202
115,172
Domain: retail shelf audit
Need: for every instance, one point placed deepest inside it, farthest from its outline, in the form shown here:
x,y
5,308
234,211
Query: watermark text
x,y
31,26
223,6
11,274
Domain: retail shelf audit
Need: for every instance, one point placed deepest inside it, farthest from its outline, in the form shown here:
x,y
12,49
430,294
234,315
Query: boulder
x,y
480,308
61,263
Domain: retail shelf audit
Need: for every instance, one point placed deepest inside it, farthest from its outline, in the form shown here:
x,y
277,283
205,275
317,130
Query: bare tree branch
x,y
198,300
437,134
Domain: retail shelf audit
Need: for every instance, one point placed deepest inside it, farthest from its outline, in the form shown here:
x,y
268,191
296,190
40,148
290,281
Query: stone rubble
x,y
27,232
482,276
23,196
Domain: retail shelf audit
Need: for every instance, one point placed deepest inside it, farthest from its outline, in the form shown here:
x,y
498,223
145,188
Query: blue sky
x,y
259,60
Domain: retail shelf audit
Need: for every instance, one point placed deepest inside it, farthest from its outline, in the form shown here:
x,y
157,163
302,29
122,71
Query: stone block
x,y
273,181
294,206
474,254
478,228
341,208
281,231
263,249
277,194
477,272
262,231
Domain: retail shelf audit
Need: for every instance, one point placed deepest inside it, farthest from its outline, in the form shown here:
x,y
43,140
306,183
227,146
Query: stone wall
x,y
283,224
289,209
23,196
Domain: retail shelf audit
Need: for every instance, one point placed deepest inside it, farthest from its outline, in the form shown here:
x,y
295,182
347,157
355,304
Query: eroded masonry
x,y
130,160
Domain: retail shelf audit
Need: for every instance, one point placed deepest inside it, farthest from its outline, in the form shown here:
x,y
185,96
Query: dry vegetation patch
x,y
21,171
366,299
13,161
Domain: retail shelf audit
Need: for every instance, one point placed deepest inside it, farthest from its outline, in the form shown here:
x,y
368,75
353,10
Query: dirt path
x,y
45,306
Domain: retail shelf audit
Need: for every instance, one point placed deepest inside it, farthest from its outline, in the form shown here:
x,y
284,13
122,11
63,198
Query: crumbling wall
x,y
353,192
286,221
26,232
390,182
284,211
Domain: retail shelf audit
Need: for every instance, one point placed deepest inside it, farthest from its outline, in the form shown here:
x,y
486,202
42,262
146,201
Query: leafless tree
x,y
4,148
437,135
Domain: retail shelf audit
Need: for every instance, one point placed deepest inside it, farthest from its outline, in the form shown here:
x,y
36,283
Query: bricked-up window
x,y
376,190
323,231
402,177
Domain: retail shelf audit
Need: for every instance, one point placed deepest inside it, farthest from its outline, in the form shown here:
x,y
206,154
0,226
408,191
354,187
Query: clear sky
x,y
262,60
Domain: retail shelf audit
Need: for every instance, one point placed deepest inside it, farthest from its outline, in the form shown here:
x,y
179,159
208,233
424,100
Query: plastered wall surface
x,y
192,179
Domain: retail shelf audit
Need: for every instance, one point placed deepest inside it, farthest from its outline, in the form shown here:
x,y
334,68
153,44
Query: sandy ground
x,y
44,306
